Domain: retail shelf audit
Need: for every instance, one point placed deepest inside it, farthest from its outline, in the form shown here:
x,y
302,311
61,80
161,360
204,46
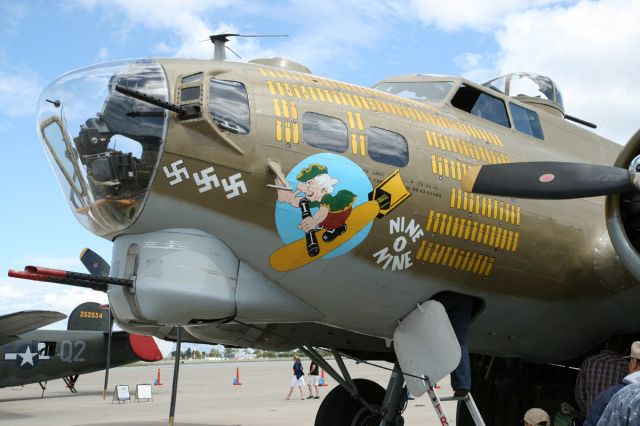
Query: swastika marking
x,y
234,186
176,172
206,180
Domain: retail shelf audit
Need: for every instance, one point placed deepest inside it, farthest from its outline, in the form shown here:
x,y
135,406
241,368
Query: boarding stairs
x,y
468,400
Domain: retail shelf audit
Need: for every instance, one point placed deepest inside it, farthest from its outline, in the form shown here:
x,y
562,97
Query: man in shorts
x,y
314,380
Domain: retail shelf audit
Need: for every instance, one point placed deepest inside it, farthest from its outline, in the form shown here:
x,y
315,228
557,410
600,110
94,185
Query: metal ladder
x,y
468,400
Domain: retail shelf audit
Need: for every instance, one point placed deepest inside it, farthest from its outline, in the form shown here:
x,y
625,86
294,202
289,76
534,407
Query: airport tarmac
x,y
206,396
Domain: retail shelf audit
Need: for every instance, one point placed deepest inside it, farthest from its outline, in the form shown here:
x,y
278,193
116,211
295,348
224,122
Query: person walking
x,y
298,377
314,380
604,402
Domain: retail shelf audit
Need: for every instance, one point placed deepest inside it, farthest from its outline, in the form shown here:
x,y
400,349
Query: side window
x,y
229,106
47,348
526,121
324,132
478,103
387,147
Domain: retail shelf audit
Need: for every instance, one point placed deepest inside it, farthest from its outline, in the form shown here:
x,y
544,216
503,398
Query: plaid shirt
x,y
597,373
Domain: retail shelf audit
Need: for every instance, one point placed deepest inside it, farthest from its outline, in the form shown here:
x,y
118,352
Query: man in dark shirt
x,y
314,380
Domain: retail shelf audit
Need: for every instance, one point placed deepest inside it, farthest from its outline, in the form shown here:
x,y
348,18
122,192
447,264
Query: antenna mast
x,y
220,43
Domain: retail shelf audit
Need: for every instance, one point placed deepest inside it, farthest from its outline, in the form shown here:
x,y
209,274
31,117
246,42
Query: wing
x,y
12,325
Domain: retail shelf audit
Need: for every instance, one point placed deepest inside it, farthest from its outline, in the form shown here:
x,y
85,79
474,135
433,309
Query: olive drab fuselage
x,y
345,202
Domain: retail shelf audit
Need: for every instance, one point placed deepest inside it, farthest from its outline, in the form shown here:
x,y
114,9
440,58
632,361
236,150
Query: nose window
x,y
105,146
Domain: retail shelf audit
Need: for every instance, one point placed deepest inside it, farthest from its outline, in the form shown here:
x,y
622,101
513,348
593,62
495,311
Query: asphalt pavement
x,y
206,396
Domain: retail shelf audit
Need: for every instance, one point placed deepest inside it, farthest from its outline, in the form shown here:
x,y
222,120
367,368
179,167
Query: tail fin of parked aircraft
x,y
89,316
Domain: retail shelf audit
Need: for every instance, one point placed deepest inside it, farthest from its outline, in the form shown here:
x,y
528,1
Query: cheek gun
x,y
313,249
78,279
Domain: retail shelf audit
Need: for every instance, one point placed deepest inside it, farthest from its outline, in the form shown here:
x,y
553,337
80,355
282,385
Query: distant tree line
x,y
231,352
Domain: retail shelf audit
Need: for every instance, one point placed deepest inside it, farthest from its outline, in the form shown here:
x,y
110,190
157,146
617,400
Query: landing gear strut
x,y
359,402
70,381
43,387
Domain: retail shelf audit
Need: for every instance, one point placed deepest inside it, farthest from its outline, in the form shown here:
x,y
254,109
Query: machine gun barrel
x,y
78,279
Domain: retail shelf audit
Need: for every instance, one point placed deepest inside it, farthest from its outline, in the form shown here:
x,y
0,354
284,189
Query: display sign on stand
x,y
121,394
143,392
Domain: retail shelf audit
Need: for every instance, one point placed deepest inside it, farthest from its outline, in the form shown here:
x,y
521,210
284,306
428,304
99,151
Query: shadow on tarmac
x,y
52,396
154,423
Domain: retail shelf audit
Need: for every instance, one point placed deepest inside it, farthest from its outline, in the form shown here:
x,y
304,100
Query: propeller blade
x,y
174,386
96,265
546,180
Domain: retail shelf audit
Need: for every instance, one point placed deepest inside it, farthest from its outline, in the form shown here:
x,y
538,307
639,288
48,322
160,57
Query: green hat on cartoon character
x,y
312,171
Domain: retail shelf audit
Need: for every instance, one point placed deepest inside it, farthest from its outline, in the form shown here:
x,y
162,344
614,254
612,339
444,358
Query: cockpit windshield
x,y
104,146
417,90
527,84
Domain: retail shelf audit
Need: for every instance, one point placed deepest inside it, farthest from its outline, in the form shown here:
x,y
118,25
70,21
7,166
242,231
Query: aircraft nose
x,y
104,146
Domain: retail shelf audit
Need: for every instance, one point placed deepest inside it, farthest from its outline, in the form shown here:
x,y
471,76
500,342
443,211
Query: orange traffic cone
x,y
236,380
157,381
322,381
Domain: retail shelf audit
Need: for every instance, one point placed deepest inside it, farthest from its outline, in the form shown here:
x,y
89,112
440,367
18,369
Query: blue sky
x,y
589,48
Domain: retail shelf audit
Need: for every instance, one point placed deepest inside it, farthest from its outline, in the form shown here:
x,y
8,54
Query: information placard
x,y
121,394
143,392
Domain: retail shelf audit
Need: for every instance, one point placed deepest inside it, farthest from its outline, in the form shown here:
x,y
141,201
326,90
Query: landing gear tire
x,y
339,408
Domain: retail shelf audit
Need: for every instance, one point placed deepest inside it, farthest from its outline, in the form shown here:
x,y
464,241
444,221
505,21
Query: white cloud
x,y
10,16
19,91
587,47
66,299
187,20
9,293
103,55
22,295
324,30
471,14
589,50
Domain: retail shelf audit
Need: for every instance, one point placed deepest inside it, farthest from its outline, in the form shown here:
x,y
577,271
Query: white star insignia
x,y
27,357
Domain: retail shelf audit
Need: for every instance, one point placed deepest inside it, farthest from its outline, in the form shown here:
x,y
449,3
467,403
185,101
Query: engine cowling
x,y
623,213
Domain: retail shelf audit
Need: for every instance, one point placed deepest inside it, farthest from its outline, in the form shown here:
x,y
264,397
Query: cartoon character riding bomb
x,y
317,187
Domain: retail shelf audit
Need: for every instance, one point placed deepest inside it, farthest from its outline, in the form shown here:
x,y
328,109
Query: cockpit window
x,y
417,90
478,103
526,121
229,106
527,84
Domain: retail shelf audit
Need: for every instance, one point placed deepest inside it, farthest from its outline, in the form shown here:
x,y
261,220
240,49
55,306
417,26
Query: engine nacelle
x,y
623,214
